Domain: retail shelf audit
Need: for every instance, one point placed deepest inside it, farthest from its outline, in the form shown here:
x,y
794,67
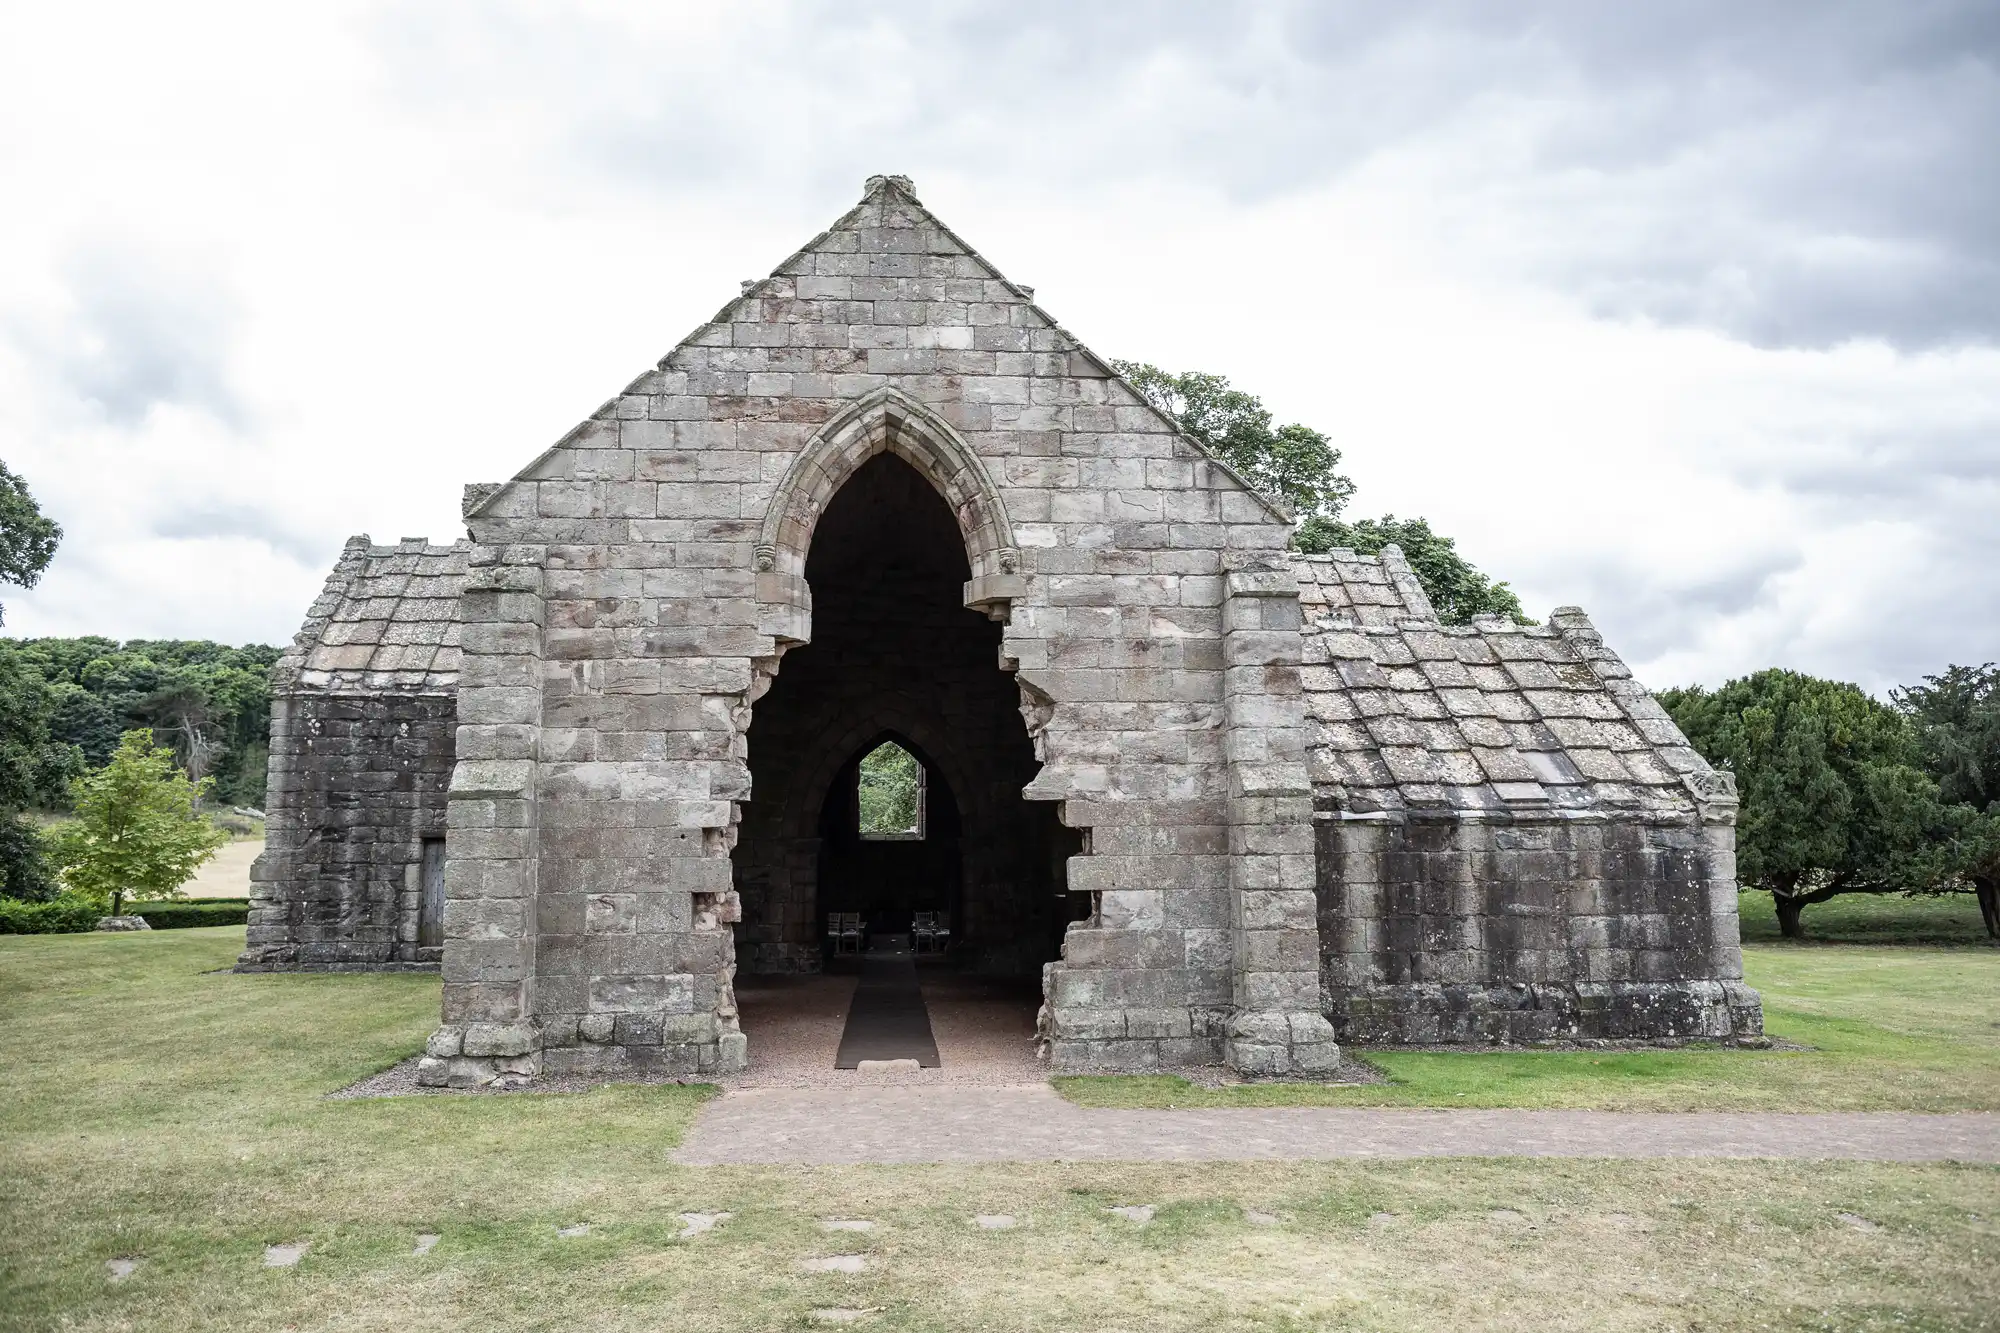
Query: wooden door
x,y
430,918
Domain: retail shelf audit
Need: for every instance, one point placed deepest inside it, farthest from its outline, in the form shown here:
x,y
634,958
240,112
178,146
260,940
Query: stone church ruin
x,y
1230,804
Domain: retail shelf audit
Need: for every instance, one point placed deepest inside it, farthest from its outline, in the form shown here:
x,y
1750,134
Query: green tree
x,y
1835,798
24,870
27,537
1300,465
1295,463
33,762
888,784
211,703
136,833
1957,716
1458,591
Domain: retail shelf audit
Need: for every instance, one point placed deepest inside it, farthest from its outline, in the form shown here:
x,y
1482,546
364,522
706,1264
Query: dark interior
x,y
896,656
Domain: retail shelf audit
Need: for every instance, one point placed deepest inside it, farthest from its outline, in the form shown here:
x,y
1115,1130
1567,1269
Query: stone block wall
x,y
1443,929
356,785
666,541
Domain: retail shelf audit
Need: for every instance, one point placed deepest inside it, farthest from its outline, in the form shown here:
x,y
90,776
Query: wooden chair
x,y
844,933
933,931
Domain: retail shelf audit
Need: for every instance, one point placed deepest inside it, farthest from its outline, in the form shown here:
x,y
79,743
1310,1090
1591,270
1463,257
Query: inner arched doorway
x,y
896,657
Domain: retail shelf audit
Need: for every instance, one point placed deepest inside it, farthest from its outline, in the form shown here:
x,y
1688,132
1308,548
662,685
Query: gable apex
x,y
855,307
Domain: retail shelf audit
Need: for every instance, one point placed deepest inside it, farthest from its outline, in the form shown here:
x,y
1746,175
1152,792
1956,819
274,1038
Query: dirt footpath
x,y
1025,1123
228,875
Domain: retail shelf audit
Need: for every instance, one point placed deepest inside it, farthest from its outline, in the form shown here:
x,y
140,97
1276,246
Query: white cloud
x,y
1608,304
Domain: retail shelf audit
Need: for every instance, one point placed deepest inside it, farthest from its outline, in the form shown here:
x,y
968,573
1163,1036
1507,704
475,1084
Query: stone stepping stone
x,y
286,1255
1380,1220
842,1314
846,1224
123,1268
1858,1222
995,1221
836,1263
573,1230
1140,1213
1257,1219
1506,1217
426,1242
693,1224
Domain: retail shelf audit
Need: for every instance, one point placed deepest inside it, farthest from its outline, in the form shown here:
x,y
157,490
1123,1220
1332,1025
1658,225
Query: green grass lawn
x,y
1871,918
1904,1029
152,1107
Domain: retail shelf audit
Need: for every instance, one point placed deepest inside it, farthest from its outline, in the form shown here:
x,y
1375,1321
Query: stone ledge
x,y
1427,1014
333,967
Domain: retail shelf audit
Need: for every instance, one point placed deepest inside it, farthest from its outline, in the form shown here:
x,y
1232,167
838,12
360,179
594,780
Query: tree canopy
x,y
1300,466
211,703
887,788
27,536
1835,796
36,761
1295,463
1957,717
1457,589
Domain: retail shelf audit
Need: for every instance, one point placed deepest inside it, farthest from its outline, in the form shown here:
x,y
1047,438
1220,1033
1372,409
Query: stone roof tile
x,y
385,623
1480,718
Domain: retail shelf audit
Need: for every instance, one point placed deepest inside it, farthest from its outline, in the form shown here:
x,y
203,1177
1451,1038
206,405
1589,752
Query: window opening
x,y
890,786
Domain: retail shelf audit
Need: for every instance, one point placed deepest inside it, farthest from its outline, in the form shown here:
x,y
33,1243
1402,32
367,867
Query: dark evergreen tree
x,y
1835,796
1957,715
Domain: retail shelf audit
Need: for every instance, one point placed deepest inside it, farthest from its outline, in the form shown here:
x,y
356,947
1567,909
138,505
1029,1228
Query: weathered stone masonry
x,y
1514,842
1256,853
364,708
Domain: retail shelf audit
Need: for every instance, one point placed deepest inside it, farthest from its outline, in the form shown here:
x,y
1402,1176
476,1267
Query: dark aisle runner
x,y
887,1020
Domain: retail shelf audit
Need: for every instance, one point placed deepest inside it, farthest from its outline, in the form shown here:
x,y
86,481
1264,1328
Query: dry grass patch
x,y
150,1110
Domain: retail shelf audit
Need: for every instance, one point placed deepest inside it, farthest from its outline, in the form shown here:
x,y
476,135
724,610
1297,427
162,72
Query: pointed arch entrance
x,y
878,536
886,421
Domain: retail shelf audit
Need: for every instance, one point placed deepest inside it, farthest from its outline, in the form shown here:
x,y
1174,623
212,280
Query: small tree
x,y
136,833
24,869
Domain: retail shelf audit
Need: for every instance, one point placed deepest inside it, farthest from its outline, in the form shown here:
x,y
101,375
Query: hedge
x,y
71,913
193,912
63,914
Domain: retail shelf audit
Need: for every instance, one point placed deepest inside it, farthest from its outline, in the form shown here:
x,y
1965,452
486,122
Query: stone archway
x,y
879,551
884,421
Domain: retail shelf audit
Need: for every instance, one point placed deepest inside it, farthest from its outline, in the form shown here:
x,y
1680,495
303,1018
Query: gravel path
x,y
1031,1123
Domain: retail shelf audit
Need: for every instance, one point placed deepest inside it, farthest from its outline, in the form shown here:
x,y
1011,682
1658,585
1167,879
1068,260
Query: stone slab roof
x,y
386,622
1406,714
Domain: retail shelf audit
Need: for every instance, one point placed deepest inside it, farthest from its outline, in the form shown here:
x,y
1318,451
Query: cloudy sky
x,y
1688,313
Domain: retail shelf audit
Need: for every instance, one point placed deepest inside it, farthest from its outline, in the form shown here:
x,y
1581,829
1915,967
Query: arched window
x,y
890,787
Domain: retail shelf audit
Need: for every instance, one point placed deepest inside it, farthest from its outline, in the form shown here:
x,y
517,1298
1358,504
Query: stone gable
x,y
1091,627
